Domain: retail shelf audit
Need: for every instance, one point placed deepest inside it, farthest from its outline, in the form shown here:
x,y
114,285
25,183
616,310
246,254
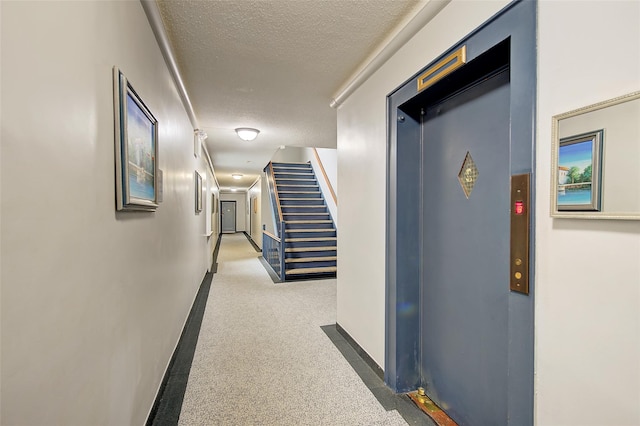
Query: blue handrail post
x,y
282,246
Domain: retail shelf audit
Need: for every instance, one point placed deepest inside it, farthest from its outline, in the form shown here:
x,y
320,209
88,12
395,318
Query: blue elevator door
x,y
465,275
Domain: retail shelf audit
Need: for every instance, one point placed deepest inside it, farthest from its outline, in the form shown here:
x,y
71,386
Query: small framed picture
x,y
136,148
198,195
580,172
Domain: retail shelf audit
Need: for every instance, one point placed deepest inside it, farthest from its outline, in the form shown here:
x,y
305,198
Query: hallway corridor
x,y
262,358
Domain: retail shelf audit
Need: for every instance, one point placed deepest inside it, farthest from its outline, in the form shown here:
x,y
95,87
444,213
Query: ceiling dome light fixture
x,y
236,176
247,133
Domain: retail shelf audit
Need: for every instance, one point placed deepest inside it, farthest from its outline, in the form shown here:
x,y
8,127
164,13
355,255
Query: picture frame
x,y
580,172
160,183
255,205
136,148
198,194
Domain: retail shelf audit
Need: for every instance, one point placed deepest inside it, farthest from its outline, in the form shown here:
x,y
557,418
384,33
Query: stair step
x,y
307,214
300,199
298,192
305,221
296,179
303,249
291,208
302,271
308,240
290,164
310,230
309,173
310,259
297,169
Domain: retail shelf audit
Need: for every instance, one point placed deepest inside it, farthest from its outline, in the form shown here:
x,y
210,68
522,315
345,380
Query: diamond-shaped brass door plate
x,y
468,175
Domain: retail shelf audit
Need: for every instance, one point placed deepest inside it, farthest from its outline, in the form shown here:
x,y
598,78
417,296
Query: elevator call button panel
x,y
520,228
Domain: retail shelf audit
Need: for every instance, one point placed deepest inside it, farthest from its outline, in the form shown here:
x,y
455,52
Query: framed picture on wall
x,y
255,205
579,172
136,148
198,195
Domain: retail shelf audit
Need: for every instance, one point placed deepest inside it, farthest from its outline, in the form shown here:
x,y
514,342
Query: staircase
x,y
309,233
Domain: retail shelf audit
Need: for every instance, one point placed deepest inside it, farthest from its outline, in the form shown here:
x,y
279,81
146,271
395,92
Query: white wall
x,y
329,159
362,141
240,198
290,154
587,272
254,202
267,215
93,301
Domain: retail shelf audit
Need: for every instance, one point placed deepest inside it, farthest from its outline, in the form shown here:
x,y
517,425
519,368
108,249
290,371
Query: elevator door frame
x,y
517,22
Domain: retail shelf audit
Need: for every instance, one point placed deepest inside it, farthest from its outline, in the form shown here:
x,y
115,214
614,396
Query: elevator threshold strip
x,y
423,402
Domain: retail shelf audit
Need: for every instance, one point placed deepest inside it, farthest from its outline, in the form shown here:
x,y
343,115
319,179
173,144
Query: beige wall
x,y
587,272
93,301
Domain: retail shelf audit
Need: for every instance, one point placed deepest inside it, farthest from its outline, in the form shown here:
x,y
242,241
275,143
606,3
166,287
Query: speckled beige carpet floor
x,y
262,359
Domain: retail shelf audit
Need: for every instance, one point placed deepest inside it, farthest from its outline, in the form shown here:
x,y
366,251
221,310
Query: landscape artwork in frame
x,y
136,148
580,172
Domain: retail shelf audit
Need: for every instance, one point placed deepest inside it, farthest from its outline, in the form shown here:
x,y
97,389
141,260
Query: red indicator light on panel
x,y
519,207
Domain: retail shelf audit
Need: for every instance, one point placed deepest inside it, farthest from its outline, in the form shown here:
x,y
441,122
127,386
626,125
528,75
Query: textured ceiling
x,y
273,65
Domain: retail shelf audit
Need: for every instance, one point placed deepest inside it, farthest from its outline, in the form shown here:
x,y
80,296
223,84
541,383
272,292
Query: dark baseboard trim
x,y
369,373
168,404
214,268
363,354
253,243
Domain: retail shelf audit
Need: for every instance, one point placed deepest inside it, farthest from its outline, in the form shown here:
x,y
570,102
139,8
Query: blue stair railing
x,y
273,245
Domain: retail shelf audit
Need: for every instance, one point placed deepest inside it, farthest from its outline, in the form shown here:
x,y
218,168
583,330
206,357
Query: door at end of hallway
x,y
228,216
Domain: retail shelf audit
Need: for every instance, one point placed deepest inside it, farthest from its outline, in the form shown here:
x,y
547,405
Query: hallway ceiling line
x,y
155,20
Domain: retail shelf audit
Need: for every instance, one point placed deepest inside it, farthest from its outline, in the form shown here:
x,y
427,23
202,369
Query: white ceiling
x,y
274,65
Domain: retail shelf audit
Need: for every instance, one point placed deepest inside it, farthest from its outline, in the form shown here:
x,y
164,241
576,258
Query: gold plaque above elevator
x,y
468,174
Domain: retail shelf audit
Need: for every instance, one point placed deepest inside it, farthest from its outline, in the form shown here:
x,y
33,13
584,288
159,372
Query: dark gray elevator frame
x,y
516,22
